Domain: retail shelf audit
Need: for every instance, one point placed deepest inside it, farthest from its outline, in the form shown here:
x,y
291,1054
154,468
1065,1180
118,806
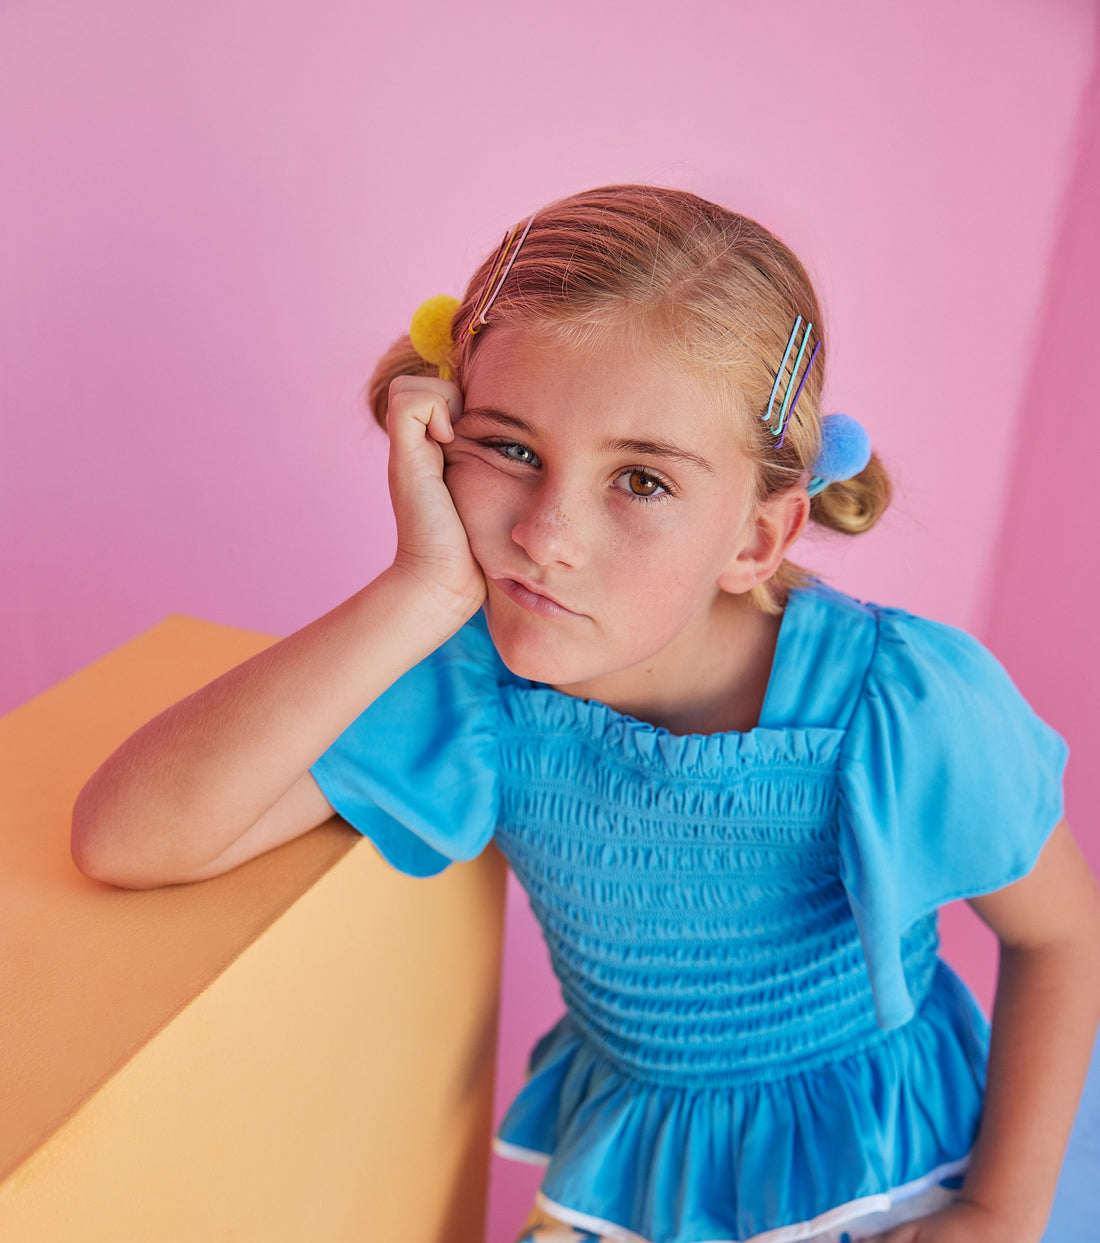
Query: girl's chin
x,y
536,667
581,674
541,658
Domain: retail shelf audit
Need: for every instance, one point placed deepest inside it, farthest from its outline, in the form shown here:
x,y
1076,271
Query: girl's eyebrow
x,y
493,415
645,448
659,448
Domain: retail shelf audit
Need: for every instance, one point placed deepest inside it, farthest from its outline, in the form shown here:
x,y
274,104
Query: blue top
x,y
758,1028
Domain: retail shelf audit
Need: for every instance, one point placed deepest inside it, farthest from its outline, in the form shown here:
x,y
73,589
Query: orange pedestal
x,y
301,1049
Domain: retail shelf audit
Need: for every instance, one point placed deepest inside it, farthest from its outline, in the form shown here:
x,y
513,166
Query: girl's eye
x,y
515,452
643,486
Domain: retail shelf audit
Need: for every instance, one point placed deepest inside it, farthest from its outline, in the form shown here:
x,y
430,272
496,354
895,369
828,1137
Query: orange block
x,y
301,1049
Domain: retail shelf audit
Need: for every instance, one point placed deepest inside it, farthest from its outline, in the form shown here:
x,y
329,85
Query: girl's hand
x,y
431,542
963,1222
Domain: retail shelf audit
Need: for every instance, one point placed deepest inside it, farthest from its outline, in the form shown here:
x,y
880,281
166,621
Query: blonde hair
x,y
715,291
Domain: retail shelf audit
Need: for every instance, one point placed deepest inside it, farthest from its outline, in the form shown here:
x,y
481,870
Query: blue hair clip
x,y
791,394
845,451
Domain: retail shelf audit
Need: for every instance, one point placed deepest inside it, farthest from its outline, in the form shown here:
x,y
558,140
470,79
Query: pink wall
x,y
1037,613
220,211
1042,611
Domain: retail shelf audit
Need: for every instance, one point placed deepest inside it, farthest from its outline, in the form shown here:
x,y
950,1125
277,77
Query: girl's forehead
x,y
611,377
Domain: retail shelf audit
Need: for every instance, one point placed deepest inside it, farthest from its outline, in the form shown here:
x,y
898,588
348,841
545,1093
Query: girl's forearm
x,y
1044,1024
192,781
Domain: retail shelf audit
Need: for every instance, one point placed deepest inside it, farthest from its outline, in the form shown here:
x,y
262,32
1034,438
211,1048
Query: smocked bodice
x,y
689,891
758,1029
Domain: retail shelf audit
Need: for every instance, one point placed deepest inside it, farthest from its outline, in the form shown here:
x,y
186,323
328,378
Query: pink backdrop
x,y
217,214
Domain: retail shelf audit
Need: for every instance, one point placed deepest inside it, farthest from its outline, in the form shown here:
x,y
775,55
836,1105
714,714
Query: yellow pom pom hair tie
x,y
430,331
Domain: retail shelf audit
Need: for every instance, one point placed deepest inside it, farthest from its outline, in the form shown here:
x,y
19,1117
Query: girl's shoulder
x,y
837,656
948,782
416,771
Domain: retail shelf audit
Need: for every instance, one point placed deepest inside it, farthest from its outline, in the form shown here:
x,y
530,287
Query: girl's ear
x,y
778,522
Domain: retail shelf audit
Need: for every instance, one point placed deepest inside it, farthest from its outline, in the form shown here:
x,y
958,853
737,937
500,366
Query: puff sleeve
x,y
949,787
416,772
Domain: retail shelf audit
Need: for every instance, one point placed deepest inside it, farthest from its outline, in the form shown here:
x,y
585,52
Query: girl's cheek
x,y
463,472
471,471
658,523
473,495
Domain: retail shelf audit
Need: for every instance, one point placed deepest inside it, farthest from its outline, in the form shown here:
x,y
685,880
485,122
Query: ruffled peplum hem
x,y
691,1165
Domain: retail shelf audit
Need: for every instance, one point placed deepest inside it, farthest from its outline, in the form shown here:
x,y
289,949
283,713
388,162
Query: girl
x,y
735,796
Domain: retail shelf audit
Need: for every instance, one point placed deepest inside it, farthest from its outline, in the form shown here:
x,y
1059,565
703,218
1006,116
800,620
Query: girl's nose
x,y
548,534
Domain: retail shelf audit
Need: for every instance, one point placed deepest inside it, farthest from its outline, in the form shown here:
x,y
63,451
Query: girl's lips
x,y
526,597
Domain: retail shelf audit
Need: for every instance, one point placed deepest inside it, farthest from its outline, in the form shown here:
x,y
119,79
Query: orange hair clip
x,y
502,265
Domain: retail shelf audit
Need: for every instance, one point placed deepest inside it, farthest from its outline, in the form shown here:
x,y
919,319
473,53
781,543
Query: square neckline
x,y
788,627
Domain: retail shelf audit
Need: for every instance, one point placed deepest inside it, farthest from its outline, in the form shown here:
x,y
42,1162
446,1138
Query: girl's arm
x,y
1044,1025
223,775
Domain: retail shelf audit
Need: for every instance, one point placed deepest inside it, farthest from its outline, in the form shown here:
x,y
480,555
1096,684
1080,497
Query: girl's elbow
x,y
90,855
98,851
102,865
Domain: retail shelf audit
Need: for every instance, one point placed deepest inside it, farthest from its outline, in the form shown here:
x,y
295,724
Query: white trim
x,y
950,1169
799,1232
842,1215
607,1229
529,1156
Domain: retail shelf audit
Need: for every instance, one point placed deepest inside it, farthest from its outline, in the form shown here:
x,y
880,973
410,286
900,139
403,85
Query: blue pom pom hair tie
x,y
845,451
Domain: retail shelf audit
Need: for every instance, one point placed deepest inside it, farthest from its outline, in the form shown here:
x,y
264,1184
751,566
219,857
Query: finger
x,y
430,408
413,417
430,384
440,426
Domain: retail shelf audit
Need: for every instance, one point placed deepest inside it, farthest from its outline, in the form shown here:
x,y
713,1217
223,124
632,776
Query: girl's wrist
x,y
432,611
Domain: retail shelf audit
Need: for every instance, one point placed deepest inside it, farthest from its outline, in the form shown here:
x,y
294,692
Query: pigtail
x,y
854,505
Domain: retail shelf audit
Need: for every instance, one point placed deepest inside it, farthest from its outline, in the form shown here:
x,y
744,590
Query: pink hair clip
x,y
502,265
789,401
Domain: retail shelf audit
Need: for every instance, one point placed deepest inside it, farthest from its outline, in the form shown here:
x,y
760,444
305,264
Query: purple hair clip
x,y
791,394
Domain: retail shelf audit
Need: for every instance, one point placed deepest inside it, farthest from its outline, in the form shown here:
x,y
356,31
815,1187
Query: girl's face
x,y
611,507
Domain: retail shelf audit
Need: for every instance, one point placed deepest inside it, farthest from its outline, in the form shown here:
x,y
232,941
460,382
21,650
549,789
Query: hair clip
x,y
792,394
845,451
502,265
430,331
